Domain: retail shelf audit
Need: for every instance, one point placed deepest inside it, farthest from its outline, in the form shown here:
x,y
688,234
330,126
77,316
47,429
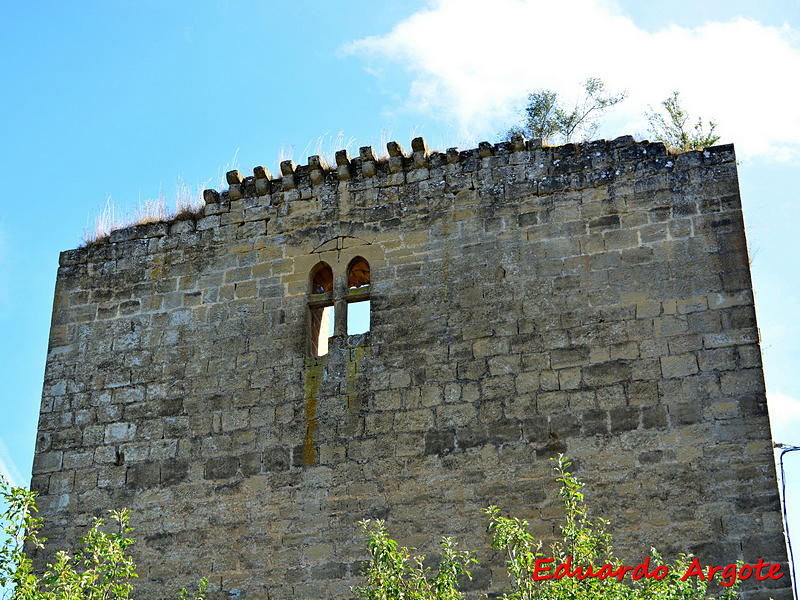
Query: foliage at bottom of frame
x,y
102,569
562,574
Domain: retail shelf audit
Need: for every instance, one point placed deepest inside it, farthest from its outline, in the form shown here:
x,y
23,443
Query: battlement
x,y
525,164
400,168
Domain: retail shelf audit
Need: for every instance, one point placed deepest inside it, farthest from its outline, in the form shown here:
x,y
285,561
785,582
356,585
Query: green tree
x,y
546,118
675,128
101,568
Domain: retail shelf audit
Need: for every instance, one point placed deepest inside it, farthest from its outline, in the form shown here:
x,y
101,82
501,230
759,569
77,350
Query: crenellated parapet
x,y
399,167
584,164
529,165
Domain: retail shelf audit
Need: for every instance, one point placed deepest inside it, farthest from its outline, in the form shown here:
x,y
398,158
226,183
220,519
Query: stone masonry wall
x,y
592,299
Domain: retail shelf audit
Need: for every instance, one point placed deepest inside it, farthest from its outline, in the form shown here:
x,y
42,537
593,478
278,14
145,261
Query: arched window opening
x,y
321,309
357,273
358,305
322,278
321,329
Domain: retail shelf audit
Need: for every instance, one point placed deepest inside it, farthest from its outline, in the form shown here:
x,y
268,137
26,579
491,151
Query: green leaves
x,y
105,569
675,129
199,594
100,569
584,542
20,527
546,118
563,573
393,574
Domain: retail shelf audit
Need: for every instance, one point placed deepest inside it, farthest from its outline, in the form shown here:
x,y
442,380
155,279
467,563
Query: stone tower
x,y
592,299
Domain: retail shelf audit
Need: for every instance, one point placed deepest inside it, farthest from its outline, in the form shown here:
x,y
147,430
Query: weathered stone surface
x,y
234,177
592,299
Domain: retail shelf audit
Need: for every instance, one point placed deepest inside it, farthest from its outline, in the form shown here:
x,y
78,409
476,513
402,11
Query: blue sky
x,y
126,100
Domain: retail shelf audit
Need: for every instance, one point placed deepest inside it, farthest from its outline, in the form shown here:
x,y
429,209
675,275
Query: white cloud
x,y
784,416
7,467
473,62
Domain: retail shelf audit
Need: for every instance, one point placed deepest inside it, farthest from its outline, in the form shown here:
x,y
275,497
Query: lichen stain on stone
x,y
56,304
354,359
160,269
313,377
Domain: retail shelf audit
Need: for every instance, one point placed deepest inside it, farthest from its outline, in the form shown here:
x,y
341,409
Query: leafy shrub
x,y
391,574
585,542
100,569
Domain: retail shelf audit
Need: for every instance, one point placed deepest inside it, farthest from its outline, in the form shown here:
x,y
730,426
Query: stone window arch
x,y
358,296
321,308
321,278
338,301
358,274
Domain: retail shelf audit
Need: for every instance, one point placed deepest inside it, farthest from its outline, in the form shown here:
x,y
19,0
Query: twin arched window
x,y
326,300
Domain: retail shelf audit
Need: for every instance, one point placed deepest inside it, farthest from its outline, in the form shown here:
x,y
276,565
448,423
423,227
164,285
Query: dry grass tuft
x,y
150,211
105,221
110,218
189,204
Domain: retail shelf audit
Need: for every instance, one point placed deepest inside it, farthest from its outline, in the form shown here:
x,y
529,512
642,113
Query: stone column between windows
x,y
340,306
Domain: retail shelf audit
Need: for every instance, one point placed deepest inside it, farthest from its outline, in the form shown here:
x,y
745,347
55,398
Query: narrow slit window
x,y
321,329
358,317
